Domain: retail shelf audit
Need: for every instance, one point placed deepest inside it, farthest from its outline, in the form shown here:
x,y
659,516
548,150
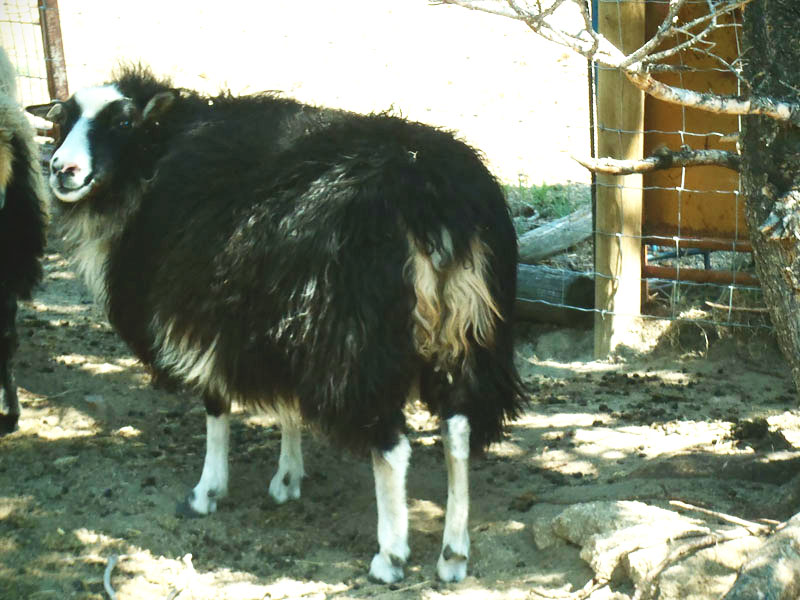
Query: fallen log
x,y
552,295
556,236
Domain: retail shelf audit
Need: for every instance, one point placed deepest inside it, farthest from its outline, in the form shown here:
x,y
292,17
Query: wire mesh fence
x,y
21,37
694,263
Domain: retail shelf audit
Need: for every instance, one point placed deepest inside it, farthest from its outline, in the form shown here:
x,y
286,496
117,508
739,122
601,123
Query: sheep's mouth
x,y
66,190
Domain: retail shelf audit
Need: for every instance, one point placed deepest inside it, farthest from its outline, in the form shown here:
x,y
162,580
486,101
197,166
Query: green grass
x,y
550,201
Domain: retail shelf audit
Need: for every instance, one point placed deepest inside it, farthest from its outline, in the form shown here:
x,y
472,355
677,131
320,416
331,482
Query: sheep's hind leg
x,y
213,484
452,564
285,485
390,469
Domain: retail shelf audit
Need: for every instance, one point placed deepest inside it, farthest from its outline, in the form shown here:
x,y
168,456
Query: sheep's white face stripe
x,y
93,100
75,149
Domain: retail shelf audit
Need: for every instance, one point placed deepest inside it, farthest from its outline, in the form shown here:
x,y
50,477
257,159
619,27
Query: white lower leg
x,y
452,564
390,491
285,485
213,483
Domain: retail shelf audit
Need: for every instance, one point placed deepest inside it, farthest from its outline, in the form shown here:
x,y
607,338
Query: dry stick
x,y
663,159
410,587
187,562
750,309
587,590
112,562
649,586
751,526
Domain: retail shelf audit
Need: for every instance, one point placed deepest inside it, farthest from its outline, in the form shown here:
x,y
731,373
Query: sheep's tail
x,y
462,325
454,309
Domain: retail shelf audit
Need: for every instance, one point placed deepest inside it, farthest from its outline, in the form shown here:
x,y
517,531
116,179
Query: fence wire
x,y
736,303
712,278
21,37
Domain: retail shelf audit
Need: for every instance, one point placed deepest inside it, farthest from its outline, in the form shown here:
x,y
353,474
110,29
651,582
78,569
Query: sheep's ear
x,y
53,111
158,105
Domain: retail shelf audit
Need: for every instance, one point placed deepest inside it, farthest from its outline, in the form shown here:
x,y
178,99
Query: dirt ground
x,y
101,458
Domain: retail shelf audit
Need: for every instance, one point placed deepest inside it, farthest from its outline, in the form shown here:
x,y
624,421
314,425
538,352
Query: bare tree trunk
x,y
770,172
556,236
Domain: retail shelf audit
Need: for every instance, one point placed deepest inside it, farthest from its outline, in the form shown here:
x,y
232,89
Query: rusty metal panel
x,y
53,50
701,202
699,275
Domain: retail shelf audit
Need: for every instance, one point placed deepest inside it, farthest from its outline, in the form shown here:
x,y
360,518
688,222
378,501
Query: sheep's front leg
x,y
285,485
390,469
9,402
213,484
452,565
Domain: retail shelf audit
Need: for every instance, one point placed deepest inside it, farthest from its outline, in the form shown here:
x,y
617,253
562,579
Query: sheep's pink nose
x,y
64,169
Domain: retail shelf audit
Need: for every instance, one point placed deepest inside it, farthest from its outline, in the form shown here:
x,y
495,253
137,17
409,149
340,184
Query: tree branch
x,y
716,103
639,64
665,31
663,158
586,42
487,6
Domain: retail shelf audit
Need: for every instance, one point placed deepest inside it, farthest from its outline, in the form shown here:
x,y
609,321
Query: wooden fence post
x,y
618,217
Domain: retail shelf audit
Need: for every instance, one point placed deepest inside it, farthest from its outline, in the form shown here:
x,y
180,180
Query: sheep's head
x,y
99,128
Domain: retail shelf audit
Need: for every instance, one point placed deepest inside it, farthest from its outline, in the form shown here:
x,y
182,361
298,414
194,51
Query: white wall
x,y
520,99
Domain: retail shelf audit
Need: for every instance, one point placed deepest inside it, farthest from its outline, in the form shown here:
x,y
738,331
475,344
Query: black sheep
x,y
316,263
22,230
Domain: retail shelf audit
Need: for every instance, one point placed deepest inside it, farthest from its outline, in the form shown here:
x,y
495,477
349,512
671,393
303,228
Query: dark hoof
x,y
185,510
448,554
8,424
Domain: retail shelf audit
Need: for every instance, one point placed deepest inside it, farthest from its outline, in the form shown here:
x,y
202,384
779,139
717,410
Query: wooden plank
x,y
699,275
618,215
53,50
